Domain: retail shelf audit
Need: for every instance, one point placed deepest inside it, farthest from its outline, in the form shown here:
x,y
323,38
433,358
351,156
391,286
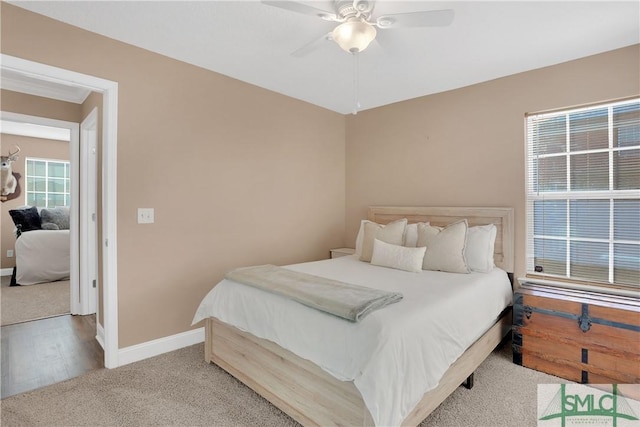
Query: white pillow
x,y
360,237
398,257
445,247
392,233
479,249
411,235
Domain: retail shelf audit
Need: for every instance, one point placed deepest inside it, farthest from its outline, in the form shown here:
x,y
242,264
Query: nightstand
x,y
337,253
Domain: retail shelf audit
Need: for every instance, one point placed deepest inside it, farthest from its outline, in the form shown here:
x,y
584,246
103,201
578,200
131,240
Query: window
x,y
583,194
48,183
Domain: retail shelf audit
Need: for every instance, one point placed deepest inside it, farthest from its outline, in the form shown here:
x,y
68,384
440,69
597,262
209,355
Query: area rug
x,y
23,303
180,389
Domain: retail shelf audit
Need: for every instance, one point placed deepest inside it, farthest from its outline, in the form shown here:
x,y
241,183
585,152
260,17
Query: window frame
x,y
534,194
67,181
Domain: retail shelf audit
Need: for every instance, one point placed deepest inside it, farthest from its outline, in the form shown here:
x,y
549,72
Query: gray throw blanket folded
x,y
351,302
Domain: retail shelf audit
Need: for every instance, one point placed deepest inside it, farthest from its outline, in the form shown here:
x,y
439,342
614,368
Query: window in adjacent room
x,y
583,194
47,183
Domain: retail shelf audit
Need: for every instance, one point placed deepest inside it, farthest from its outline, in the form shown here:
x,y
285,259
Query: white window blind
x,y
583,194
48,183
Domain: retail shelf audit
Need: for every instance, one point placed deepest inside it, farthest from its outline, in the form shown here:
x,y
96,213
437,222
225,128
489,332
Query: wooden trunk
x,y
581,336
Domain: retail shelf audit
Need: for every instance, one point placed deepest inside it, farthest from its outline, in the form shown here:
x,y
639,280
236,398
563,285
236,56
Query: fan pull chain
x,y
356,88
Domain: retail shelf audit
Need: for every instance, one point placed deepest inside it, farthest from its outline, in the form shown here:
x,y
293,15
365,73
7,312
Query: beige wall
x,y
237,175
466,147
29,147
37,106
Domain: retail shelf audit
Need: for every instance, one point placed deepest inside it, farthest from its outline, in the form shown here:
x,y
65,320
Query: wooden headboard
x,y
503,254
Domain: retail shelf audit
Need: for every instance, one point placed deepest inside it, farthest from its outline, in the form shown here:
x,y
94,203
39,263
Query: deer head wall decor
x,y
8,181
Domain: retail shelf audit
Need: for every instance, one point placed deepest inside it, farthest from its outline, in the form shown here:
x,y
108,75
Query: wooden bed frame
x,y
310,395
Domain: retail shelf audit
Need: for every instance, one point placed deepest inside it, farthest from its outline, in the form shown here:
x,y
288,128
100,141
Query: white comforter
x,y
395,354
42,256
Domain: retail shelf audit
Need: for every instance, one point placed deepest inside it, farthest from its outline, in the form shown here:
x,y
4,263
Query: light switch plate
x,y
145,216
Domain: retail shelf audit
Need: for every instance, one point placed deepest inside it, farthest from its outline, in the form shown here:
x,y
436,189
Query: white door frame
x,y
109,90
88,214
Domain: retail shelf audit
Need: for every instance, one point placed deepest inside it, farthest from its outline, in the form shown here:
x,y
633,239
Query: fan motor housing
x,y
347,8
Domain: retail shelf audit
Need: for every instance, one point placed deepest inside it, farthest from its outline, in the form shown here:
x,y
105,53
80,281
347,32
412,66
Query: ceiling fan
x,y
358,25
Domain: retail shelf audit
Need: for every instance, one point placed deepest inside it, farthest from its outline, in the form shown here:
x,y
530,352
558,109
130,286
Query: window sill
x,y
593,288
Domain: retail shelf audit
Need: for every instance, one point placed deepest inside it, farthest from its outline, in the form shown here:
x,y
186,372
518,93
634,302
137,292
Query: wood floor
x,y
43,352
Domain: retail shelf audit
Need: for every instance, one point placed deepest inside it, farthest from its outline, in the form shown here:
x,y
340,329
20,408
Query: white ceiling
x,y
252,42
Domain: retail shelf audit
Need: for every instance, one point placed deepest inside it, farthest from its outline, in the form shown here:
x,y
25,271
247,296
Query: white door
x,y
88,214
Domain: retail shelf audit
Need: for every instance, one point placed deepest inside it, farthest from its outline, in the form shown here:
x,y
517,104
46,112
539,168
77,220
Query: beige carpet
x,y
180,389
23,303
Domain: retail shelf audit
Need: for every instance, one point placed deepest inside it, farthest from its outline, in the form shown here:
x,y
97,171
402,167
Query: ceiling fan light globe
x,y
354,36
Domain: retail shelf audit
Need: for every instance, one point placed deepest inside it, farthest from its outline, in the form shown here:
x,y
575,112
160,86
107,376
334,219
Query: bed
x,y
42,256
42,247
338,385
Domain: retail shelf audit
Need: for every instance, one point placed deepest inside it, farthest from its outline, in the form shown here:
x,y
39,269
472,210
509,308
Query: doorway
x,y
41,342
47,129
109,90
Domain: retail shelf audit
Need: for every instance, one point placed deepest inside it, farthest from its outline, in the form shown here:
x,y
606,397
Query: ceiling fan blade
x,y
389,41
311,46
430,18
304,9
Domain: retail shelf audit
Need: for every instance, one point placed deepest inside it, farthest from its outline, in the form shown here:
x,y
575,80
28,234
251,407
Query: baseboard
x,y
6,271
153,348
100,335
